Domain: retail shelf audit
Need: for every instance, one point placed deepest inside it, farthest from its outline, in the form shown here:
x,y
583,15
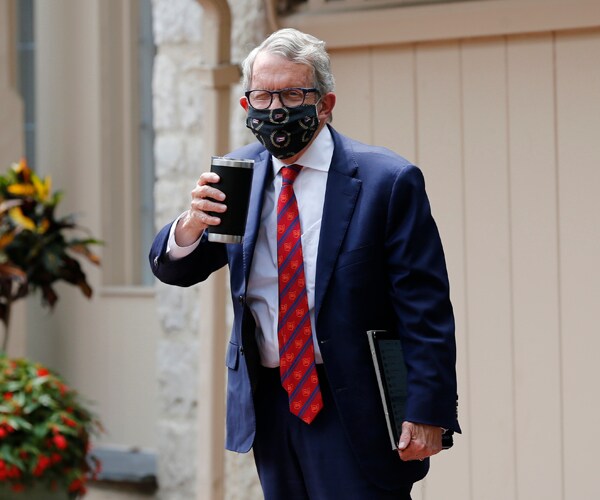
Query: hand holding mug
x,y
207,202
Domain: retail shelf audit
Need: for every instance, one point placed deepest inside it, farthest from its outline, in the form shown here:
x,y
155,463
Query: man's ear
x,y
244,103
327,103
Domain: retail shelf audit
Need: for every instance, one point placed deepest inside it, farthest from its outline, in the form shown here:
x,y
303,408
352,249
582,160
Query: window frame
x,y
126,199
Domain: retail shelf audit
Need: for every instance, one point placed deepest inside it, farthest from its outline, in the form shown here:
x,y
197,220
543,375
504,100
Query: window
x,y
127,138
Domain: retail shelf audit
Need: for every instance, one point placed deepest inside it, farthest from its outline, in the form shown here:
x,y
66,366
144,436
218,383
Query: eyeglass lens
x,y
293,97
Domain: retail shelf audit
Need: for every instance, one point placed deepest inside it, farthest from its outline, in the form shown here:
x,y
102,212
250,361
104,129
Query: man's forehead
x,y
273,68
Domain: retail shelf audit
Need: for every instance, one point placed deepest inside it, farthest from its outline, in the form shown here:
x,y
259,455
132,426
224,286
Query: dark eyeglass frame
x,y
271,93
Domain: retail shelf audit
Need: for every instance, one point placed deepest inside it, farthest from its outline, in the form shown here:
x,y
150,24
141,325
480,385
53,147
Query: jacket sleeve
x,y
421,302
194,268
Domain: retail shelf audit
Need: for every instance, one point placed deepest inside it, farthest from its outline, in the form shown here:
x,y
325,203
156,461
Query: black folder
x,y
390,370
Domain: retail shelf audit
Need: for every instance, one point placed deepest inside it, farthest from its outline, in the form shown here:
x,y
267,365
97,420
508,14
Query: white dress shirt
x,y
263,295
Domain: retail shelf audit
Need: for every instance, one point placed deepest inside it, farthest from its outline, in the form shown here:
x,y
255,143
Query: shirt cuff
x,y
174,251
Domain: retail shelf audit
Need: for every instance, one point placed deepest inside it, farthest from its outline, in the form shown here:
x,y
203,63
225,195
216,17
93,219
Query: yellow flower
x,y
16,214
42,188
21,189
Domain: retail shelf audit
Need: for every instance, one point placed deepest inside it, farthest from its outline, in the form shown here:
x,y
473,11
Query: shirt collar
x,y
318,155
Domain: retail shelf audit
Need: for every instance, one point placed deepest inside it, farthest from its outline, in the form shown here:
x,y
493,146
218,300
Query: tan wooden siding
x,y
507,132
578,151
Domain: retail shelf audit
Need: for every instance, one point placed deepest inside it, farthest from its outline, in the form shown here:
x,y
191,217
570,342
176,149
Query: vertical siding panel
x,y
394,100
393,108
352,70
418,491
578,111
440,157
535,267
488,272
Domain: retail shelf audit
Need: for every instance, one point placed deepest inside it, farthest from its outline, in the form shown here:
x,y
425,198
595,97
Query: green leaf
x,y
19,399
40,431
38,381
19,423
46,400
13,386
31,407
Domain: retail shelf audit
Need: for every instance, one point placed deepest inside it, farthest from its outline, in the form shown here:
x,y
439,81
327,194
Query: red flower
x,y
8,396
13,472
43,463
68,421
5,429
18,487
42,372
59,441
77,486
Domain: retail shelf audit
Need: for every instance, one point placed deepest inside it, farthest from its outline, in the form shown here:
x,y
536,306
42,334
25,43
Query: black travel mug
x,y
235,181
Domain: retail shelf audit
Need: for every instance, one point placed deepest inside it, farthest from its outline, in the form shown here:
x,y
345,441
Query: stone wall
x,y
180,158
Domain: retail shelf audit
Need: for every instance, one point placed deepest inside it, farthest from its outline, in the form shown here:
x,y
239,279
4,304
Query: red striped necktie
x,y
296,350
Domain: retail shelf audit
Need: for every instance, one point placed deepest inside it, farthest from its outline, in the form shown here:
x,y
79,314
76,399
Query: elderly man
x,y
339,240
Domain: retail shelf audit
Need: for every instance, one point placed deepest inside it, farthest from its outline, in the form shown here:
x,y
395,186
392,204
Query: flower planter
x,y
44,434
37,492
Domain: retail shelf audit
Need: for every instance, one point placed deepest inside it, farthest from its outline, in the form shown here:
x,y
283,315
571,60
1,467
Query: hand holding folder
x,y
390,370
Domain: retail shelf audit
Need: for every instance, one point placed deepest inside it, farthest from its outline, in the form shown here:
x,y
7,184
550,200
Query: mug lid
x,y
223,161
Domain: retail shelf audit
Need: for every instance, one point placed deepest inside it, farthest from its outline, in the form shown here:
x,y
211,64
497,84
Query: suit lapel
x,y
340,199
261,175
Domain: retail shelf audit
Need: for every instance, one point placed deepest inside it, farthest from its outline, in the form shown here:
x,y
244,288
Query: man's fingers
x,y
207,205
406,436
419,441
208,178
207,199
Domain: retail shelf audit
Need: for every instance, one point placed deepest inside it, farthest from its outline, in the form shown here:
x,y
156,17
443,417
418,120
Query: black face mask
x,y
284,131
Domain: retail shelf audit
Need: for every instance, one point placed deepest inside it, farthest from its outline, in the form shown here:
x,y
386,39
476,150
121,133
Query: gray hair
x,y
296,47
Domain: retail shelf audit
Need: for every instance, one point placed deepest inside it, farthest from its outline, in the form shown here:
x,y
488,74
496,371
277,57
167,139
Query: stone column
x,y
190,80
178,150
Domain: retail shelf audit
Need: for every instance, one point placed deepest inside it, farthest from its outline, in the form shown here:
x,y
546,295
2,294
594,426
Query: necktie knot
x,y
289,173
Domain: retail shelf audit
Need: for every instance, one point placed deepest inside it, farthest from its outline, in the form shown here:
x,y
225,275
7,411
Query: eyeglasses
x,y
290,97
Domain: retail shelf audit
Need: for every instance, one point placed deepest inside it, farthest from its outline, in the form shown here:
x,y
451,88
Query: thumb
x,y
406,436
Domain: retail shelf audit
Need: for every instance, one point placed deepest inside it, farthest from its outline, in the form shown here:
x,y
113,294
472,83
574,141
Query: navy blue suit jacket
x,y
380,265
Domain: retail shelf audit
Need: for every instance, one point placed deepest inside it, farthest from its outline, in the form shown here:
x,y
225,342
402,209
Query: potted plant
x,y
45,432
35,247
44,426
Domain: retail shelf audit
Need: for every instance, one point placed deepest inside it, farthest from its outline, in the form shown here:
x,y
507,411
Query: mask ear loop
x,y
317,109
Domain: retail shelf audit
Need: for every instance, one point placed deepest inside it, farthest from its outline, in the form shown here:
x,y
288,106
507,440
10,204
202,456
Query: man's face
x,y
273,72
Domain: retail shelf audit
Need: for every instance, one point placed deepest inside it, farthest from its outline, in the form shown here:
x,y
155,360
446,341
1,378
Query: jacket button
x,y
156,261
242,299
